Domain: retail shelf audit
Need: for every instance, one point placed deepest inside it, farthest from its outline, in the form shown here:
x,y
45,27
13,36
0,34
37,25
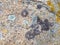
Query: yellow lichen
x,y
51,5
4,31
52,9
59,4
58,19
59,31
58,16
58,13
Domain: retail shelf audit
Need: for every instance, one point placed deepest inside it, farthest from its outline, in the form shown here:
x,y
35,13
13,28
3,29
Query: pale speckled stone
x,y
16,29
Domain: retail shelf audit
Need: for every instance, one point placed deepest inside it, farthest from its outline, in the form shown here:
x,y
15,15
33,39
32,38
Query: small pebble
x,y
0,4
1,12
39,6
32,26
28,1
1,36
25,22
51,24
44,27
39,21
11,17
36,32
24,13
29,35
46,20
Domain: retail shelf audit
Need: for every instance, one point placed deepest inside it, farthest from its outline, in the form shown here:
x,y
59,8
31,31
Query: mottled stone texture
x,y
40,26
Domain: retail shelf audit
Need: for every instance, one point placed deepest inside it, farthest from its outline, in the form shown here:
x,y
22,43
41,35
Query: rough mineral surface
x,y
29,22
